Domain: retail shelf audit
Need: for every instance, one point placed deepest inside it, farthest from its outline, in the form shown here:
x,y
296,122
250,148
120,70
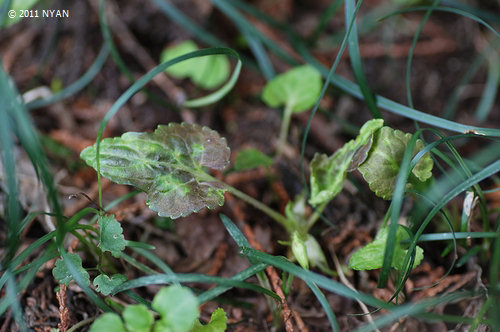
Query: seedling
x,y
207,72
297,90
177,307
169,165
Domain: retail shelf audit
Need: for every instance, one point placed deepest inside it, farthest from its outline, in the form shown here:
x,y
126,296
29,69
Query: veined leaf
x,y
297,89
168,165
328,173
371,256
207,72
381,167
63,275
111,238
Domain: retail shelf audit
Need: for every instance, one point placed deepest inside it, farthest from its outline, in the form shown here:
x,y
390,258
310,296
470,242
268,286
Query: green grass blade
x,y
456,235
325,304
76,86
428,13
240,276
219,94
178,17
396,206
355,57
191,277
309,276
413,309
4,8
490,90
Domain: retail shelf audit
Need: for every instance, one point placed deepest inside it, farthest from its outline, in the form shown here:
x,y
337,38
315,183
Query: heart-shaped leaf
x,y
168,165
371,256
328,173
381,167
178,309
106,284
109,322
297,89
64,276
111,238
207,72
138,318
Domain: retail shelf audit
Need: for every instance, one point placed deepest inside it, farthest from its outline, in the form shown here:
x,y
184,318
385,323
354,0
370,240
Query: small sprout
x,y
251,158
207,72
297,90
105,284
168,165
63,274
381,167
371,256
111,238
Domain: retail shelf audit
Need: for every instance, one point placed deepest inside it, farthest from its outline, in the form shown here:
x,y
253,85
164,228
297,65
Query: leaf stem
x,y
285,124
315,216
258,205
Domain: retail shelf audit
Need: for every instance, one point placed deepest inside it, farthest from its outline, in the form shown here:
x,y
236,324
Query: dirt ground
x,y
56,52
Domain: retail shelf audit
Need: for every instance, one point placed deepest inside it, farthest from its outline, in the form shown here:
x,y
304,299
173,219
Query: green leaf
x,y
251,158
297,89
109,322
63,275
168,165
106,284
207,72
299,250
371,256
218,322
178,308
111,238
138,318
381,167
328,173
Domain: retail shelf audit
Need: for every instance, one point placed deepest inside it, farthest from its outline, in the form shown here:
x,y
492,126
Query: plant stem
x,y
315,216
285,124
258,205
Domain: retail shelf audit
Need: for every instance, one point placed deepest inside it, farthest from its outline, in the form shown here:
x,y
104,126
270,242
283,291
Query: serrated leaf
x,y
371,256
251,158
207,72
105,284
109,322
168,165
381,167
138,318
328,173
218,323
111,238
297,89
63,275
178,308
